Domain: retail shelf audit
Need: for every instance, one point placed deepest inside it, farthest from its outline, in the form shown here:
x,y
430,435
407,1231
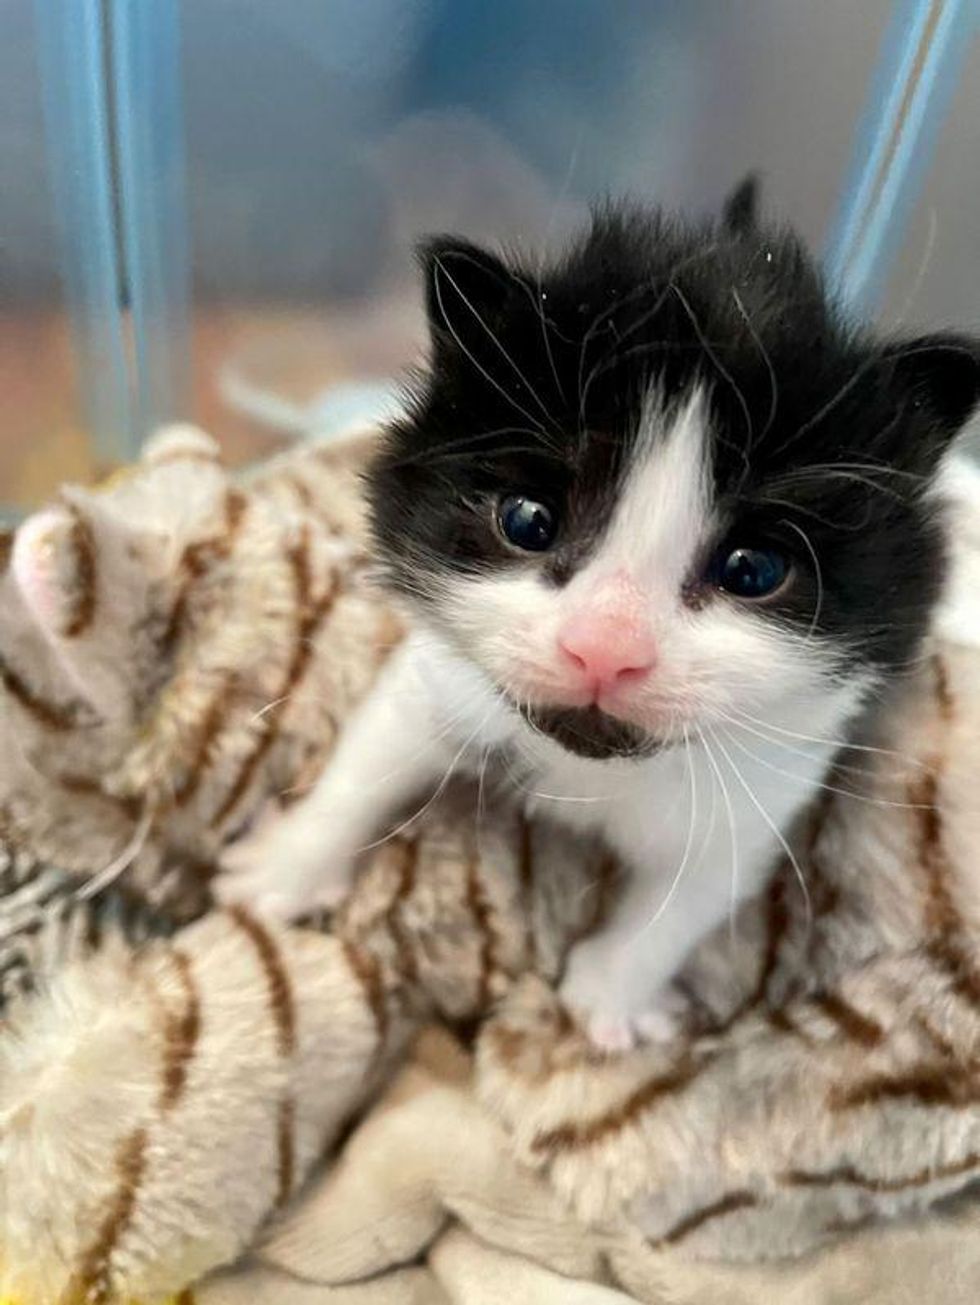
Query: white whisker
x,y
440,789
120,863
810,782
270,706
462,446
818,606
807,904
930,245
864,772
638,325
763,353
685,858
720,368
733,837
441,267
821,741
538,303
566,797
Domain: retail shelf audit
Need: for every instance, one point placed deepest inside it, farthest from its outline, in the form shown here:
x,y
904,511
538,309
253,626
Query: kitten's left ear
x,y
740,211
942,374
466,288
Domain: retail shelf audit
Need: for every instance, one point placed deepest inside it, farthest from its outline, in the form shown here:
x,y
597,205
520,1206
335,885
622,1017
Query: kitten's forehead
x,y
663,511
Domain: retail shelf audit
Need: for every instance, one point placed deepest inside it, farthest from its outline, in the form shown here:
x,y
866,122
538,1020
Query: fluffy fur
x,y
668,393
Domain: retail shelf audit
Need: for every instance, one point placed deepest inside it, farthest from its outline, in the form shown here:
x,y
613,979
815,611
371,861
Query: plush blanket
x,y
391,1105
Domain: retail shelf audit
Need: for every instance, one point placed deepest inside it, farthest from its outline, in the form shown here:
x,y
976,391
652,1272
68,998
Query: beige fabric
x,y
425,1156
177,648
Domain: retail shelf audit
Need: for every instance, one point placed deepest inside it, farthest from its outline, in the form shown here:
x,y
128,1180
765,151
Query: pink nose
x,y
607,649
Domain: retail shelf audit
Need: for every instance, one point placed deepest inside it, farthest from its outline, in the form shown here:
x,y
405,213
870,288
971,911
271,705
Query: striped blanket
x,y
391,1105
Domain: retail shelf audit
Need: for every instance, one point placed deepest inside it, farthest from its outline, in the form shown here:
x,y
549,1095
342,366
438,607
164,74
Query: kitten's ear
x,y
466,288
740,211
942,374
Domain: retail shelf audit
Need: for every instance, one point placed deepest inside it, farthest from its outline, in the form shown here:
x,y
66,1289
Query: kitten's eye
x,y
751,572
526,523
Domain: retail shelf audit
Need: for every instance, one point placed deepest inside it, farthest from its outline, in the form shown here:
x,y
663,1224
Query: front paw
x,y
284,869
616,1010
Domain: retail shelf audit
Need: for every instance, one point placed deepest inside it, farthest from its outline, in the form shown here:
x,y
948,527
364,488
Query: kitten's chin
x,y
589,732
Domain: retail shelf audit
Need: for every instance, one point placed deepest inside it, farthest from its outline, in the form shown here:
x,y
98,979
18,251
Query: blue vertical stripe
x,y
72,66
153,205
921,60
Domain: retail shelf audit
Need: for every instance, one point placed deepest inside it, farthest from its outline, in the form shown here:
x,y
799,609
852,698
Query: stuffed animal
x,y
178,650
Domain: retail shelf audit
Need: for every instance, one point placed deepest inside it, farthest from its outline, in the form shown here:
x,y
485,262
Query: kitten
x,y
657,509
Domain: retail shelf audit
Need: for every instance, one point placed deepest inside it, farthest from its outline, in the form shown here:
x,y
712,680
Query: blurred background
x,y
209,206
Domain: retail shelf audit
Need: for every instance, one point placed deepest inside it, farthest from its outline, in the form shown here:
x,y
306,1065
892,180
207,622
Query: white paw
x,y
283,869
615,1014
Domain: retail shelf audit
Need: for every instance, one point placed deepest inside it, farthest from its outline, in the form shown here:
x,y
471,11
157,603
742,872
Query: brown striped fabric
x,y
698,1218
367,970
483,927
209,732
56,716
282,1004
851,1022
850,1177
310,614
285,1147
82,596
580,1134
91,1281
181,1031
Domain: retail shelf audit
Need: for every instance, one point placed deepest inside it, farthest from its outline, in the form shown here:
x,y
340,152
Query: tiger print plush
x,y
177,651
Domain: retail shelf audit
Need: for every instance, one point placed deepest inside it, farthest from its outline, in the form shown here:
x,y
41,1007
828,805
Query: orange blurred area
x,y
294,354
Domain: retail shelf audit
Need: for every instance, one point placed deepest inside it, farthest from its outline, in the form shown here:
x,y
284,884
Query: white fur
x,y
958,487
698,824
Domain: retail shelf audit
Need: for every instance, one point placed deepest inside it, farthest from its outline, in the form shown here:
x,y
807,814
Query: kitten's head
x,y
660,486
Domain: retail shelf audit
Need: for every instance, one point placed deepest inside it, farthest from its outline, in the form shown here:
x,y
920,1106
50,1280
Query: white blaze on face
x,y
708,660
663,516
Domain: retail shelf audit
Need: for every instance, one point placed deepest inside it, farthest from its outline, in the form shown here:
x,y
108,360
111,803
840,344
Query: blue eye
x,y
526,523
751,572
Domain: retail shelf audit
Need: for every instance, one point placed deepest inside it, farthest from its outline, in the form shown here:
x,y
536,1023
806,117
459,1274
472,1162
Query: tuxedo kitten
x,y
662,517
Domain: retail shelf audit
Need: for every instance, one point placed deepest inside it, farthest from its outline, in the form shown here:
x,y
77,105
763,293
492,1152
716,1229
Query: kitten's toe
x,y
657,1025
586,992
617,1015
610,1034
664,1016
614,1033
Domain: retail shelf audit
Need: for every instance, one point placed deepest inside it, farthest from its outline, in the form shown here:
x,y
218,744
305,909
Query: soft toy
x,y
177,652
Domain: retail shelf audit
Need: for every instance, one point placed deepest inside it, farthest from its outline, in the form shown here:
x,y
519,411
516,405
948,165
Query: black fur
x,y
537,377
589,732
740,211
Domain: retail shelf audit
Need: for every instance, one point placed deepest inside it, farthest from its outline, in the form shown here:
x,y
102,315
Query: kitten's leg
x,y
618,981
392,749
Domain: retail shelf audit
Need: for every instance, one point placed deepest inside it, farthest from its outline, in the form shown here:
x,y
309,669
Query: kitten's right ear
x,y
466,289
740,211
941,372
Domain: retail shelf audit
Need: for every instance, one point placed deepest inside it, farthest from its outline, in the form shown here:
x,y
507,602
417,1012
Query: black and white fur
x,y
672,390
